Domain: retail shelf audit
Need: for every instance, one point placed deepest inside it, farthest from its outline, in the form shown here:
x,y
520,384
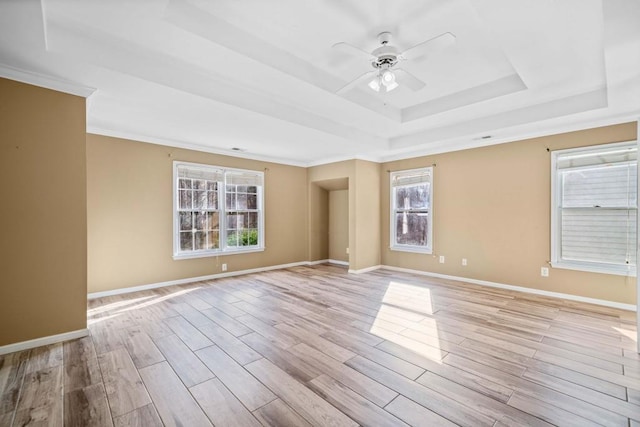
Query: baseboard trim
x,y
570,297
365,270
605,303
131,289
38,342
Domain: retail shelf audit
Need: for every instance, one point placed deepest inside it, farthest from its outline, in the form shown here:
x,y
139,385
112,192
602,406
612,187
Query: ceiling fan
x,y
386,76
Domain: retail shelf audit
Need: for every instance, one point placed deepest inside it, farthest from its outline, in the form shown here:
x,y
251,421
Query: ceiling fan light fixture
x,y
388,77
375,84
391,86
385,81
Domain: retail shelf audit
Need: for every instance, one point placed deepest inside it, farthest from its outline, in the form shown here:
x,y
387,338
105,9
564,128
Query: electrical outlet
x,y
224,267
544,271
441,259
464,261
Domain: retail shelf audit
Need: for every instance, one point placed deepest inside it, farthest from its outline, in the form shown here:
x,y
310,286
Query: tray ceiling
x,y
262,76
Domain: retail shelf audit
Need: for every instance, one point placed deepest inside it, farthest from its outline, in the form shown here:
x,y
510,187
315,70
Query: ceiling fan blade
x,y
353,51
358,80
405,78
428,47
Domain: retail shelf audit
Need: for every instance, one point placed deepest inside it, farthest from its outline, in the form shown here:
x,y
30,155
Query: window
x,y
216,210
594,208
411,217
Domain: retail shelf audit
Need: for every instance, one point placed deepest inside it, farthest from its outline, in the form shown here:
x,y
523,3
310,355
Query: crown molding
x,y
45,81
444,146
538,131
189,146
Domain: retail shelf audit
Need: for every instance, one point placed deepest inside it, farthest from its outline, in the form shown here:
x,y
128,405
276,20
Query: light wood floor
x,y
316,346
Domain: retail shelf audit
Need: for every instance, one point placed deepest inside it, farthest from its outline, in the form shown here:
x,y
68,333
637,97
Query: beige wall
x,y
492,206
339,225
130,218
316,176
364,207
367,213
43,287
318,223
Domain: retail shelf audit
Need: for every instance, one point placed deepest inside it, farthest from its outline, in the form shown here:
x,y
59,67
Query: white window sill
x,y
205,254
596,268
414,249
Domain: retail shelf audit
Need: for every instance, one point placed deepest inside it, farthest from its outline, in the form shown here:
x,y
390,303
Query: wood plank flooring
x,y
315,346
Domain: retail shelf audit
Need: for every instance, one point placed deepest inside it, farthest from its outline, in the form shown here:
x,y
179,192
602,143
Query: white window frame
x,y
223,249
428,249
556,223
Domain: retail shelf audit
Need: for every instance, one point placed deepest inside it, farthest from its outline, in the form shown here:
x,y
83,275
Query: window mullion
x,y
222,204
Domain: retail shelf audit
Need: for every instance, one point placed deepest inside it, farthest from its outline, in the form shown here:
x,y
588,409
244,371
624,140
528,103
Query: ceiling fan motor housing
x,y
386,55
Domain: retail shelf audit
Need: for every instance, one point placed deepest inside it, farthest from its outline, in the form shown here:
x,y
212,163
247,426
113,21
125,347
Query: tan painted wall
x,y
364,207
339,225
318,223
492,206
43,287
130,214
322,173
367,213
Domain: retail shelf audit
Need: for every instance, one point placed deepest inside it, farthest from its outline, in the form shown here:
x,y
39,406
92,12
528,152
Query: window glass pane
x,y
201,222
200,240
214,220
252,201
186,241
412,228
186,221
231,200
184,183
199,199
604,186
253,220
243,220
199,184
212,186
252,189
599,235
413,197
213,239
232,238
232,220
248,237
242,188
242,201
185,199
212,199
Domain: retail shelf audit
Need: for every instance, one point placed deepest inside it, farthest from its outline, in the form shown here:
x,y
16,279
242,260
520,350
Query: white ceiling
x,y
262,75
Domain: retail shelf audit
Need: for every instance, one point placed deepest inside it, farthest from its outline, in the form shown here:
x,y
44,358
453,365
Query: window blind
x,y
411,177
195,172
244,178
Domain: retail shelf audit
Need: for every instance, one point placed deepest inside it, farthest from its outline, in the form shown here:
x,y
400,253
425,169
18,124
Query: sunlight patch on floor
x,y
111,306
632,335
402,310
129,305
